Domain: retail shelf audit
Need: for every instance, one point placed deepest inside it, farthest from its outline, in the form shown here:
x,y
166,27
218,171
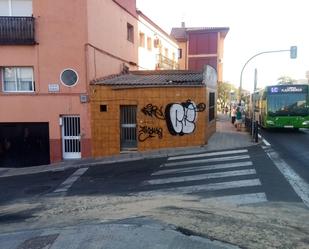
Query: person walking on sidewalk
x,y
233,114
238,118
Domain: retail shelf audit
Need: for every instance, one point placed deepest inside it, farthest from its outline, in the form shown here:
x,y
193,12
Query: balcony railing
x,y
15,30
166,63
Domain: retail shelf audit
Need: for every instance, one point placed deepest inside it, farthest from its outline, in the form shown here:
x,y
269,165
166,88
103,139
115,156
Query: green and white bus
x,y
282,106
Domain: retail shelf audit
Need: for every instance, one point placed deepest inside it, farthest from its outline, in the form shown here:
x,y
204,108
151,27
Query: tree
x,y
283,80
224,94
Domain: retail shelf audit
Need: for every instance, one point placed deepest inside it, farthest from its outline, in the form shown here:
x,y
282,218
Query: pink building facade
x,y
49,52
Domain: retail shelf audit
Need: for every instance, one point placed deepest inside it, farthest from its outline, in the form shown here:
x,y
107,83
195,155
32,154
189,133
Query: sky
x,y
255,26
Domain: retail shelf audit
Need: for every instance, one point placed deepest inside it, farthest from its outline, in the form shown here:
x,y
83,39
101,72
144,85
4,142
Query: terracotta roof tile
x,y
153,78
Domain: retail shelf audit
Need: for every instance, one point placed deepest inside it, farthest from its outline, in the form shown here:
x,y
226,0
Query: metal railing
x,y
166,63
16,30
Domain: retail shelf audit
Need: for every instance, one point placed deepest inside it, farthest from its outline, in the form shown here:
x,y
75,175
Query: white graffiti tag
x,y
181,118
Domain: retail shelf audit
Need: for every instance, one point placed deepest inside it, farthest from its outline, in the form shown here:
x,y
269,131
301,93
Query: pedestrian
x,y
238,118
226,110
233,114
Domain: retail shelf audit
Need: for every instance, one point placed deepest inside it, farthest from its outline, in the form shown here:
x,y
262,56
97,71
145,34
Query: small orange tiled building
x,y
145,110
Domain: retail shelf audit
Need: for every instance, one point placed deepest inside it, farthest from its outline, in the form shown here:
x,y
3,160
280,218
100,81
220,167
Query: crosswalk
x,y
221,177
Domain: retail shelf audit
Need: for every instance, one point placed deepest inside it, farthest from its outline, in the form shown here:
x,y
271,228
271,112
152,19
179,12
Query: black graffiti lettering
x,y
201,107
146,132
181,118
153,111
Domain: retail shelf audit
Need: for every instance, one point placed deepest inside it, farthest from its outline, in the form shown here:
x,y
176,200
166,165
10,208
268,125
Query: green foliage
x,y
283,80
224,94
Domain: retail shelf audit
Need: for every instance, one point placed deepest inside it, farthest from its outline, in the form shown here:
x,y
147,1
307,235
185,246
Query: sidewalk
x,y
129,234
225,138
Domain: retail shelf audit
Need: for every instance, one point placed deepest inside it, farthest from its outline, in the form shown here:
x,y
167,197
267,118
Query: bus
x,y
282,106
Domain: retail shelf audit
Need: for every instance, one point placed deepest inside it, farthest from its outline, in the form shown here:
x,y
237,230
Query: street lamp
x,y
293,55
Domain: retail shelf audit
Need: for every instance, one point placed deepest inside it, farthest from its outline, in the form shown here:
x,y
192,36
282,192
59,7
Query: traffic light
x,y
293,52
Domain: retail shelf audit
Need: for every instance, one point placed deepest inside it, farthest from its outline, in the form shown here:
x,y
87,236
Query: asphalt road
x,y
244,176
292,146
246,173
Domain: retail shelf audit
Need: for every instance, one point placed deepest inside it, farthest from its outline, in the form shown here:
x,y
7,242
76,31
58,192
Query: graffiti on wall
x,y
146,132
153,111
180,119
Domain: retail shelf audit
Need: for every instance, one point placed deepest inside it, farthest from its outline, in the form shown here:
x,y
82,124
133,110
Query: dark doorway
x,y
24,144
128,127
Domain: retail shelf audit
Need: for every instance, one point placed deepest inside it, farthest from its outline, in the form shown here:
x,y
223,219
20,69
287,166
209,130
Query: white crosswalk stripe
x,y
69,181
204,167
211,186
208,160
230,170
203,176
219,153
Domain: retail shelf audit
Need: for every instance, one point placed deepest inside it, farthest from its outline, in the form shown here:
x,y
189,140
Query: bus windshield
x,y
294,104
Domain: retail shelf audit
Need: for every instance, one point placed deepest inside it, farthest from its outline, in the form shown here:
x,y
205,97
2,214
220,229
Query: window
x,y
211,106
69,77
18,79
103,108
179,53
130,32
149,44
156,43
15,7
166,52
142,40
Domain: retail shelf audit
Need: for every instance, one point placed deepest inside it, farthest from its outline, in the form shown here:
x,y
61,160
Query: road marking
x,y
200,168
219,153
69,181
217,159
300,186
201,177
266,142
238,199
208,187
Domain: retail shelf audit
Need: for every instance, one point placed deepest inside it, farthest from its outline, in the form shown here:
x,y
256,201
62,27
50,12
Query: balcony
x,y
15,30
166,63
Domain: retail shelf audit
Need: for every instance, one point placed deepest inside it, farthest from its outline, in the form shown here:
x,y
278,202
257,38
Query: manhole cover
x,y
37,189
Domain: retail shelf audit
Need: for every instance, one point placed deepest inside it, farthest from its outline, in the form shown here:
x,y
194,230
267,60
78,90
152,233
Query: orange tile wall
x,y
106,125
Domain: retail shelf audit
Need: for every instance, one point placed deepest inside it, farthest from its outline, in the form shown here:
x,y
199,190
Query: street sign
x,y
293,52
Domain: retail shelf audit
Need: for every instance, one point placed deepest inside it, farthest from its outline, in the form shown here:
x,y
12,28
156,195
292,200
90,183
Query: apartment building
x,y
62,95
157,50
201,46
50,51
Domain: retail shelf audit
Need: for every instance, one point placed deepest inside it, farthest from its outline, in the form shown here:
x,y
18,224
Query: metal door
x,y
71,137
128,127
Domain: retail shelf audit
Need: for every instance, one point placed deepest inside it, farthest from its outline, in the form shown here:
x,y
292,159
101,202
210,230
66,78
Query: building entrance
x,y
128,127
71,137
24,144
